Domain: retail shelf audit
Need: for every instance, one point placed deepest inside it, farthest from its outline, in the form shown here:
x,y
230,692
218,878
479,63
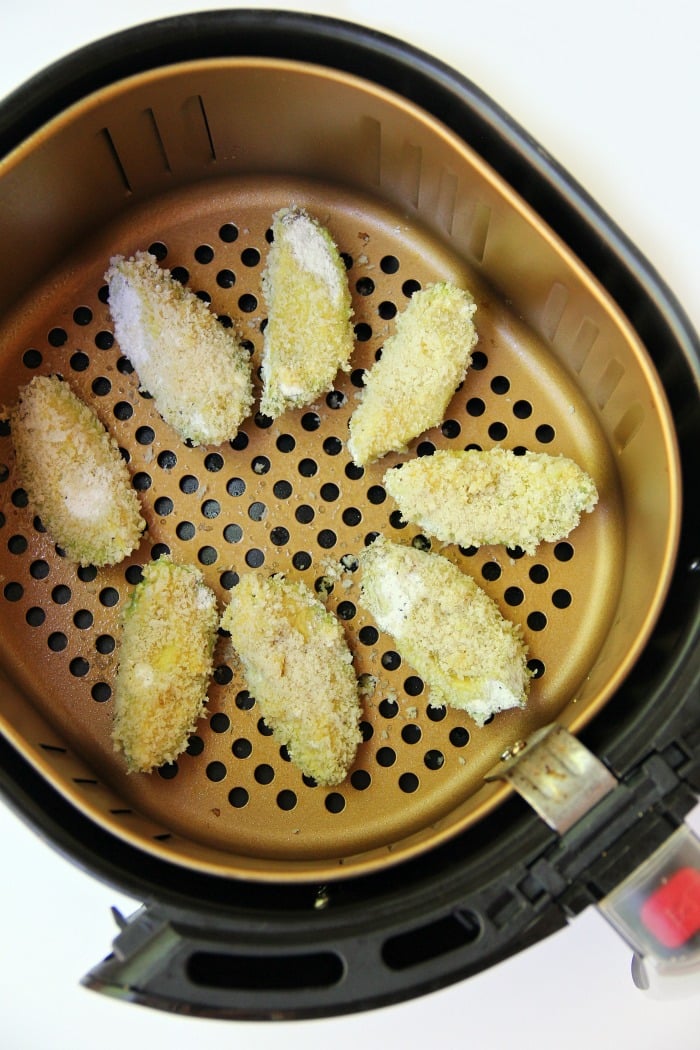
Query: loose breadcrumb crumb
x,y
165,663
74,475
474,497
447,628
308,337
197,372
408,390
299,669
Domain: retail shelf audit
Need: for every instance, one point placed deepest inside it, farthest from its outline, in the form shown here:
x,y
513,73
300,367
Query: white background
x,y
611,88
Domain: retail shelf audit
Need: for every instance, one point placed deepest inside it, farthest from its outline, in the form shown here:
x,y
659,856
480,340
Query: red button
x,y
672,913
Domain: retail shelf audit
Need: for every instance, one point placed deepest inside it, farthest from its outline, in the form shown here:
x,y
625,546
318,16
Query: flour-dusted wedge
x,y
74,475
197,372
308,337
299,669
165,662
446,627
475,498
408,390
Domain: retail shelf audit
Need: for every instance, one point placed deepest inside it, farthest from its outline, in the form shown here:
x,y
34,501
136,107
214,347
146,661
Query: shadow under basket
x,y
184,137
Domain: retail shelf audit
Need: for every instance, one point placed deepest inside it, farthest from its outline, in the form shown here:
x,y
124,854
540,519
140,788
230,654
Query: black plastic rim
x,y
461,899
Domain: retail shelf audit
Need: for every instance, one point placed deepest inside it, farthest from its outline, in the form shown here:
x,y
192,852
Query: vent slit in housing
x,y
447,196
430,941
207,127
478,234
554,310
628,425
106,134
265,973
582,344
159,139
410,168
608,382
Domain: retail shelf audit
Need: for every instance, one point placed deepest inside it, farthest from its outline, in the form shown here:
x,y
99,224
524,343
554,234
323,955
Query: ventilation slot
x,y
207,128
447,195
608,382
582,344
409,179
197,139
428,942
265,973
151,117
554,309
628,426
481,220
114,153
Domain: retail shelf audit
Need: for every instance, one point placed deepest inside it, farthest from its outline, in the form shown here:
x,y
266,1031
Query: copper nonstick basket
x,y
189,155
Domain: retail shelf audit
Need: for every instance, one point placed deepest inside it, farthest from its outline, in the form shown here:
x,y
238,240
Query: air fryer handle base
x,y
162,960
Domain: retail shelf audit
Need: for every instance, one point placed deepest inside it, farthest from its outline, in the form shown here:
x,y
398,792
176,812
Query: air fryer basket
x,y
189,155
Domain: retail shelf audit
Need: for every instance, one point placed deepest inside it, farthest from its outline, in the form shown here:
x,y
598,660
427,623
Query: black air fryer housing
x,y
256,949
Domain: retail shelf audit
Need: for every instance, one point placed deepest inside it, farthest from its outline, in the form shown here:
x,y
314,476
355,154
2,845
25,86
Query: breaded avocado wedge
x,y
474,497
446,627
74,475
165,662
308,337
197,372
299,669
408,390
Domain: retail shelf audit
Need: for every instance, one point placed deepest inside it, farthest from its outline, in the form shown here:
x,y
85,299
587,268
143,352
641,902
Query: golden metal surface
x,y
181,158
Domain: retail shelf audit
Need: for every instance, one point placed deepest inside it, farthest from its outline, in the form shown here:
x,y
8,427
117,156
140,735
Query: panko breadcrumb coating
x,y
474,498
446,627
74,475
299,669
408,390
308,337
165,663
197,372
